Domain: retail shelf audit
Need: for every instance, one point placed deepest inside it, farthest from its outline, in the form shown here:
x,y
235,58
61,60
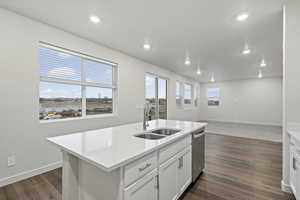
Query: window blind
x,y
56,64
97,72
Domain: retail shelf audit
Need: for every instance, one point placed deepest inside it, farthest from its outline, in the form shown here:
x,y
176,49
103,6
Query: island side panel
x,y
96,184
70,179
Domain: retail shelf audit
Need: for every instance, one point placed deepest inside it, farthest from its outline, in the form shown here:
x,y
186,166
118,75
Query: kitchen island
x,y
293,130
114,164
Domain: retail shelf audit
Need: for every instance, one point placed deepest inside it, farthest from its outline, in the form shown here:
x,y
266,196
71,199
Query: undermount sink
x,y
150,136
157,134
165,131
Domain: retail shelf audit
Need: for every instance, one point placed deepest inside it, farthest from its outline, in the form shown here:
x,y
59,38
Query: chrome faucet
x,y
146,116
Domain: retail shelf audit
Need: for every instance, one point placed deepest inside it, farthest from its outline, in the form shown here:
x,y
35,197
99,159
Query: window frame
x,y
192,94
196,95
180,105
82,83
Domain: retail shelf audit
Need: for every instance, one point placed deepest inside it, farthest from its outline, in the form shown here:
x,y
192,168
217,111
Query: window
x,y
74,85
213,95
178,94
156,95
188,93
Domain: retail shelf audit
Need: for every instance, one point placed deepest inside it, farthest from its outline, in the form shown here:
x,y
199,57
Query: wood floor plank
x,y
236,169
239,168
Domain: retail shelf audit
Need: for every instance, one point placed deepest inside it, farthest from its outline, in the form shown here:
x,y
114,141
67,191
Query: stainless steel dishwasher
x,y
198,153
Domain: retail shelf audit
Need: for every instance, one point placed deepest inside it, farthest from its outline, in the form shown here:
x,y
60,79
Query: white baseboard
x,y
28,174
286,187
241,122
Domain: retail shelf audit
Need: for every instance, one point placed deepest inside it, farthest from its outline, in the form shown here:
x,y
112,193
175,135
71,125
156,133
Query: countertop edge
x,y
293,129
295,134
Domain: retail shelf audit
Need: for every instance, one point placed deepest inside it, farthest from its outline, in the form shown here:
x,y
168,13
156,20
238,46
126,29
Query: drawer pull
x,y
180,162
146,166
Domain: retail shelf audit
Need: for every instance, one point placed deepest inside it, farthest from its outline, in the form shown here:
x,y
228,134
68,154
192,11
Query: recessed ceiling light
x,y
242,17
260,74
147,46
198,71
95,19
212,78
187,61
246,50
263,63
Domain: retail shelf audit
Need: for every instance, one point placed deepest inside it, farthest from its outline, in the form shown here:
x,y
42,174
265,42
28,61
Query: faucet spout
x,y
146,116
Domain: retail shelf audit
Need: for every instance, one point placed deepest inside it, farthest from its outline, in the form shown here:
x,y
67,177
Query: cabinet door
x,y
168,179
184,170
297,176
145,188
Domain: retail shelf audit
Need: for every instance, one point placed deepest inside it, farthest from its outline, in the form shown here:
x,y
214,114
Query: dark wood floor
x,y
236,169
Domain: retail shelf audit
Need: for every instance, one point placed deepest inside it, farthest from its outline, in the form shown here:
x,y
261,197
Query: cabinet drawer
x,y
172,149
145,188
139,168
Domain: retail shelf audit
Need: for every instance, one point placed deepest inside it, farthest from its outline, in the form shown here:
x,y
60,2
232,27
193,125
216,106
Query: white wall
x,y
291,77
21,132
257,101
293,62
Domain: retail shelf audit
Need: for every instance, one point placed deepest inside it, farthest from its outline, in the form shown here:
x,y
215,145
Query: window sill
x,y
190,108
79,118
187,108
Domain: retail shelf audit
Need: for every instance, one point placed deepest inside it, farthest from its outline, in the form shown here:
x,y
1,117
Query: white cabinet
x,y
184,170
139,168
175,175
297,176
168,179
145,188
295,167
162,175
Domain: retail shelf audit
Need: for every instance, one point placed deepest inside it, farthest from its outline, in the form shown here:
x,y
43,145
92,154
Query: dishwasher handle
x,y
199,134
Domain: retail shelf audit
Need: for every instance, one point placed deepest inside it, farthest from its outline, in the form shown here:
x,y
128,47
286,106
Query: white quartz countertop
x,y
114,147
294,130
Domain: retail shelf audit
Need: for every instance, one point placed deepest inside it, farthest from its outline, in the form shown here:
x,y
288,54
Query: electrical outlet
x,y
11,161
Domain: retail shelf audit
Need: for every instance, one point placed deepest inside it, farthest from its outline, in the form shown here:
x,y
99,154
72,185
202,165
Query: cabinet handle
x,y
145,167
180,162
294,164
157,182
198,135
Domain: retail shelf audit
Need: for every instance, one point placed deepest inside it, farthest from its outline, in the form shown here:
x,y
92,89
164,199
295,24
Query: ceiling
x,y
205,30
